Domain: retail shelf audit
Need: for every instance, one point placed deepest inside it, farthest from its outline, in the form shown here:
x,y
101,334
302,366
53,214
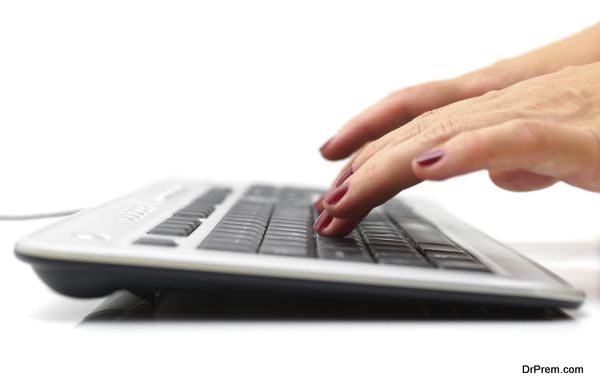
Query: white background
x,y
98,98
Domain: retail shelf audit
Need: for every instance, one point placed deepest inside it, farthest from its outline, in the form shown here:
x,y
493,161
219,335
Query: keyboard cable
x,y
35,216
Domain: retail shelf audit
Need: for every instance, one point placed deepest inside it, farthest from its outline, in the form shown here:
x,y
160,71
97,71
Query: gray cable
x,y
38,215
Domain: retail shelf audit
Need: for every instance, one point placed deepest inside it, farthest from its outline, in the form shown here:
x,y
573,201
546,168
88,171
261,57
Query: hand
x,y
528,136
400,108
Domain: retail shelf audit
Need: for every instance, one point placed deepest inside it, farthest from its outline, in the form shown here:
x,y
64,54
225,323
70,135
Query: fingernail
x,y
334,196
344,176
326,144
323,221
429,158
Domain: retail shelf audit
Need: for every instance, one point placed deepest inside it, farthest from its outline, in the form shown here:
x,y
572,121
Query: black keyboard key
x,y
284,228
213,196
189,220
205,210
345,254
398,255
286,238
188,228
231,236
290,250
388,253
156,242
392,250
388,242
177,222
350,248
242,229
461,265
249,231
339,243
229,246
424,233
176,226
289,231
251,228
189,213
243,221
202,212
440,248
169,231
436,255
202,207
230,241
261,191
403,261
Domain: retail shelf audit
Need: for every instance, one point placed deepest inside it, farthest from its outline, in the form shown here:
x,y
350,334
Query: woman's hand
x,y
528,136
401,107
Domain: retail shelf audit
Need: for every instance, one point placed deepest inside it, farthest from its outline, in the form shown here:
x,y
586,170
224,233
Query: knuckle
x,y
428,115
433,127
422,123
368,171
371,149
530,133
444,130
417,128
493,94
474,140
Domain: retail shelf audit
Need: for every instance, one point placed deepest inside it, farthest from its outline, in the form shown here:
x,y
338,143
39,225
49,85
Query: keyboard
x,y
278,221
191,236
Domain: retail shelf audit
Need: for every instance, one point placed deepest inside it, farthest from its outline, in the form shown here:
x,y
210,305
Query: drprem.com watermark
x,y
537,369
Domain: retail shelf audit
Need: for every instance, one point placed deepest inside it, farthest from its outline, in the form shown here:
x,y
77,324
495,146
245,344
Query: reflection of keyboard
x,y
183,235
269,220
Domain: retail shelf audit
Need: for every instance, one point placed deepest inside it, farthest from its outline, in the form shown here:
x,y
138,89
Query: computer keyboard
x,y
191,236
278,221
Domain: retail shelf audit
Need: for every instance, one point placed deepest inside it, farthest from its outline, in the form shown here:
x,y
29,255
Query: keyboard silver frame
x,y
104,235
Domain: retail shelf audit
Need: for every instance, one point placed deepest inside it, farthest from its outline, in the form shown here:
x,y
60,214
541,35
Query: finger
x,y
390,113
538,147
318,205
440,125
520,180
519,144
375,121
378,180
382,175
327,225
339,179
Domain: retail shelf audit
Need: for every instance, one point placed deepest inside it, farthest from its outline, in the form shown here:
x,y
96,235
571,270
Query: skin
x,y
530,121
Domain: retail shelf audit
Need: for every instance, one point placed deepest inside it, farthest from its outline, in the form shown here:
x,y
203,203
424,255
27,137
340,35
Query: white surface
x,y
97,98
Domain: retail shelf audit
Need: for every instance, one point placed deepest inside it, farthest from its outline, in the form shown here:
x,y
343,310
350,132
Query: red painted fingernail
x,y
344,176
429,158
334,196
326,144
323,221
